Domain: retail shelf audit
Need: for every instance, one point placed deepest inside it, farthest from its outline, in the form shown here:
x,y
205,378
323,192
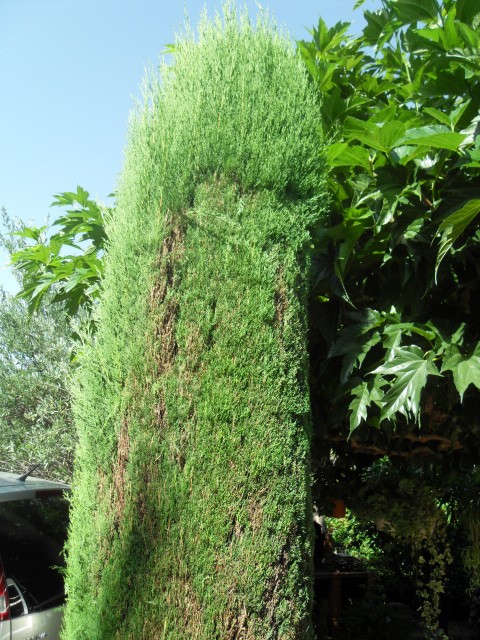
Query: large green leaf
x,y
438,115
406,153
34,255
436,136
411,327
363,395
416,10
355,230
453,226
449,119
33,233
358,406
465,369
341,154
379,26
410,369
467,10
80,197
382,137
327,39
350,337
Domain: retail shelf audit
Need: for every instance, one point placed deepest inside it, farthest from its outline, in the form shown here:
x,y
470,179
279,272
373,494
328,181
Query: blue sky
x,y
69,72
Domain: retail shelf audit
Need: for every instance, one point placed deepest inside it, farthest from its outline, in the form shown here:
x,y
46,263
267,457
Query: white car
x,y
33,530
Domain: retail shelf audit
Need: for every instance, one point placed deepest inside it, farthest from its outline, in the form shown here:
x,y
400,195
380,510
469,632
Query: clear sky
x,y
69,72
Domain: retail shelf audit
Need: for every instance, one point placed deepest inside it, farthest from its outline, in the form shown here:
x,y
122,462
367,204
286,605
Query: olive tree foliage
x,y
58,268
35,414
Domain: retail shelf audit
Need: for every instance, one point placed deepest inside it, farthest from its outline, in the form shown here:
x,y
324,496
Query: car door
x,y
32,536
36,626
5,630
30,625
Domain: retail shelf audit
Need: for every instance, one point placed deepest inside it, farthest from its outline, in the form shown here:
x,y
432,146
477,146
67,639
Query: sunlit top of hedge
x,y
257,122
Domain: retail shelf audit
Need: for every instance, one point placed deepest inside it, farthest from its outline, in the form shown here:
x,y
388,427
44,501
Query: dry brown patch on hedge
x,y
119,477
165,309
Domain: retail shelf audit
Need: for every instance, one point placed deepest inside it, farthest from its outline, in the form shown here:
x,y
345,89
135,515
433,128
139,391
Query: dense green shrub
x,y
35,413
191,510
395,328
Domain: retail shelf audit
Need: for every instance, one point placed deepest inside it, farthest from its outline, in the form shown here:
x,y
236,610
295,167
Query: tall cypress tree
x,y
191,511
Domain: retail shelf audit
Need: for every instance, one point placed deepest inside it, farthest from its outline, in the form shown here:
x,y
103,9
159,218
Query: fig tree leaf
x,y
410,369
358,406
465,370
416,10
437,136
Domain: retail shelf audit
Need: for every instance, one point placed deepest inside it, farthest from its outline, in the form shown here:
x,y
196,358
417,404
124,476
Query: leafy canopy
x,y
35,414
49,267
395,328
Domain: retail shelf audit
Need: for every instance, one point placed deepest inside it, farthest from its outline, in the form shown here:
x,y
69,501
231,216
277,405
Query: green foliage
x,y
35,416
432,558
410,520
469,516
71,279
402,501
394,319
395,331
9,241
192,402
35,412
351,536
372,620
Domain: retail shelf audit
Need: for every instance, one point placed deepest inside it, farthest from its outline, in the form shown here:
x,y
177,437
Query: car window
x,y
32,536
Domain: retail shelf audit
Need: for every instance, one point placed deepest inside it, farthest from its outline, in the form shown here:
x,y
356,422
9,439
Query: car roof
x,y
12,488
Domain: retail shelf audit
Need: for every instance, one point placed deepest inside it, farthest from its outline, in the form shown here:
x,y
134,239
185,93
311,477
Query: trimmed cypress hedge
x,y
191,509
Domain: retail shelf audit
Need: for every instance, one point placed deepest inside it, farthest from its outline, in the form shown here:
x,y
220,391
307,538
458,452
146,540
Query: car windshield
x,y
32,536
